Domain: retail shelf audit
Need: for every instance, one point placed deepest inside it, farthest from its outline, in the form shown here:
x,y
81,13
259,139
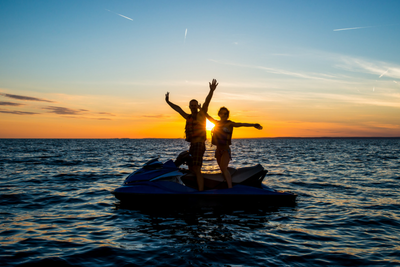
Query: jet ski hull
x,y
159,184
240,196
205,201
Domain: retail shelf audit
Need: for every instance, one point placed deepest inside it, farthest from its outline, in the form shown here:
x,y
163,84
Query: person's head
x,y
223,113
194,105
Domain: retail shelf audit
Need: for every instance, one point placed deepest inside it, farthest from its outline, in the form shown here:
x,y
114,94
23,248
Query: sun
x,y
209,125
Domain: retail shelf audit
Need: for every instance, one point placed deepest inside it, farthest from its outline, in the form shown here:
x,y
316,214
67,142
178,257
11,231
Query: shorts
x,y
219,152
197,150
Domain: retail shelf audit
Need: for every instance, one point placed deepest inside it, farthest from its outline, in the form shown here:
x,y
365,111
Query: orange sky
x,y
108,117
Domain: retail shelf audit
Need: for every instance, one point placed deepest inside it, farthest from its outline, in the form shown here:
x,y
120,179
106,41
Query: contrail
x,y
185,34
124,16
384,73
347,29
120,15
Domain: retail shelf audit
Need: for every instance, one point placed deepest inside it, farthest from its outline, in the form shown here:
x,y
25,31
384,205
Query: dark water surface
x,y
56,207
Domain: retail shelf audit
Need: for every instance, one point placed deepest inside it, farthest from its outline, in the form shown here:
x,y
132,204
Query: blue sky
x,y
276,61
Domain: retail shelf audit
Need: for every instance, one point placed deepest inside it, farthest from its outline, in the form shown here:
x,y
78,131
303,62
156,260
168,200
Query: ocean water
x,y
56,207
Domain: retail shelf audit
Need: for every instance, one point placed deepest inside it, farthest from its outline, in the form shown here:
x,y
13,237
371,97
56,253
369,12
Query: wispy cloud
x,y
106,113
88,118
119,14
64,111
314,76
25,98
243,97
17,112
378,68
383,73
10,104
77,113
156,116
391,100
294,98
348,29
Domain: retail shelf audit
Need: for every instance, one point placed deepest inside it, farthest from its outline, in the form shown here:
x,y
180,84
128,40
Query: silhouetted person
x,y
196,130
222,135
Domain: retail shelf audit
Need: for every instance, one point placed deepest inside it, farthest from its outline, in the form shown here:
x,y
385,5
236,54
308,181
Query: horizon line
x,y
144,138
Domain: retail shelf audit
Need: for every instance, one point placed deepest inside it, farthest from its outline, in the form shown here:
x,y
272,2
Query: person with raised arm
x,y
222,135
195,130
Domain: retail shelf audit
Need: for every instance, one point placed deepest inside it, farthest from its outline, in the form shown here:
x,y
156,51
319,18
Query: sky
x,y
101,68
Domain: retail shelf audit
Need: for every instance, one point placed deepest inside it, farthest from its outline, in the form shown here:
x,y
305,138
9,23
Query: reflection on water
x,y
56,206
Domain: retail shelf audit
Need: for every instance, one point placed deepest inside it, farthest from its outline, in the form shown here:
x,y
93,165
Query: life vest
x,y
194,129
222,135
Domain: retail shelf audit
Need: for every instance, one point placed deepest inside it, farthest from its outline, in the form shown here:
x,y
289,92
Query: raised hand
x,y
258,126
213,85
167,97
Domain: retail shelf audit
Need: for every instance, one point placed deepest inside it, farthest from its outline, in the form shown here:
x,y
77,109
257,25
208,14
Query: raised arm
x,y
213,86
211,118
240,124
175,107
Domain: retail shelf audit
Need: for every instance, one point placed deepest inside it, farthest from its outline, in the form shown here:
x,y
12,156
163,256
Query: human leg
x,y
223,162
197,151
199,177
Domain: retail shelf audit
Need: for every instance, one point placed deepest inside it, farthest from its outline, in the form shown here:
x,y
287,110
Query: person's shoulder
x,y
231,124
202,113
203,110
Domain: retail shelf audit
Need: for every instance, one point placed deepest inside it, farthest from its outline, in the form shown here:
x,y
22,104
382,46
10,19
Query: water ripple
x,y
56,206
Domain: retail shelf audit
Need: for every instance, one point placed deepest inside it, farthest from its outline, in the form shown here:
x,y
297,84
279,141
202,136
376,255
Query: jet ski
x,y
166,184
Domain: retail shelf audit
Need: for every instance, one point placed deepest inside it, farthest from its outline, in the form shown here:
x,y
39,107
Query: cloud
x,y
383,73
16,112
392,100
354,28
385,125
106,113
320,99
243,97
64,111
376,68
156,116
87,118
26,98
279,71
75,112
10,104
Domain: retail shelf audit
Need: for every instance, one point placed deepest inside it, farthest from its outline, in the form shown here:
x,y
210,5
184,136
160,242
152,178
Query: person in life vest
x,y
222,135
196,130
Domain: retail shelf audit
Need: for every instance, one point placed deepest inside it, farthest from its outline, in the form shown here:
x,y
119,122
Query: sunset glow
x,y
209,125
298,69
